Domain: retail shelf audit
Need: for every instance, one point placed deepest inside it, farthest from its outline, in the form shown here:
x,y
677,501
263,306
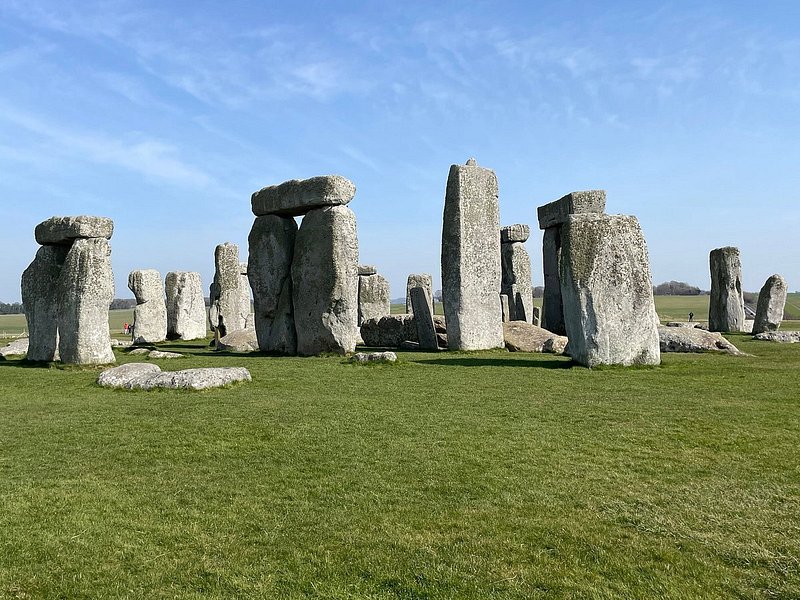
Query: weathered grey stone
x,y
230,303
298,196
552,313
186,307
86,288
537,315
607,291
241,340
18,347
516,282
514,233
784,337
471,272
423,318
128,375
367,357
271,250
388,331
423,280
505,308
115,343
150,313
40,297
325,282
726,304
520,336
557,212
771,302
146,376
367,270
374,299
163,354
692,339
748,326
137,351
65,230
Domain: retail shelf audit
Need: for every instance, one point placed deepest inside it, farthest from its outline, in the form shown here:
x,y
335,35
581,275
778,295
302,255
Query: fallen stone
x,y
692,339
40,296
726,302
389,331
186,307
163,354
115,343
299,196
689,324
557,212
146,376
366,357
771,302
137,351
150,312
241,340
65,230
783,337
16,348
423,318
128,375
520,336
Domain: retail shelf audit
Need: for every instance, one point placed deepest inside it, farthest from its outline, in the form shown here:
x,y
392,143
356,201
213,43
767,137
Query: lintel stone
x,y
298,196
555,213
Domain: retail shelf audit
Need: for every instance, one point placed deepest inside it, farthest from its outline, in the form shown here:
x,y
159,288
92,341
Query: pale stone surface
x,y
86,288
229,309
515,233
367,270
771,302
557,212
423,318
271,251
748,326
365,357
146,376
137,351
241,340
297,197
607,291
374,299
784,337
186,307
423,280
689,324
692,339
505,308
16,348
389,331
150,313
537,316
552,314
520,336
163,354
726,304
115,343
516,281
65,230
471,272
40,296
325,282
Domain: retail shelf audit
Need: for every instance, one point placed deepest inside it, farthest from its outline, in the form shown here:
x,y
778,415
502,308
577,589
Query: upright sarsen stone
x,y
150,313
423,280
325,282
374,300
471,273
607,291
186,307
423,319
726,304
40,297
271,250
228,311
771,302
86,289
516,268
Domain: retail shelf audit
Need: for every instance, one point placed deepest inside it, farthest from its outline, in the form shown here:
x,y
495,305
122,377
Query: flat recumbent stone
x,y
65,230
298,196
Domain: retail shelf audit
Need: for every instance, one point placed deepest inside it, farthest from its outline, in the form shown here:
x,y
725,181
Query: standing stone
x,y
186,307
423,280
516,267
228,311
726,304
150,313
325,282
537,316
771,301
86,289
40,298
505,308
373,297
607,291
244,296
271,250
471,272
423,318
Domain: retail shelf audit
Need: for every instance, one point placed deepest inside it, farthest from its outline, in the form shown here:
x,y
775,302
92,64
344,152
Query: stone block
x,y
65,230
298,196
556,213
726,302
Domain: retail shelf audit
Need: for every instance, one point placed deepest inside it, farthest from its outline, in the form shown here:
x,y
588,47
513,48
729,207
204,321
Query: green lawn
x,y
483,475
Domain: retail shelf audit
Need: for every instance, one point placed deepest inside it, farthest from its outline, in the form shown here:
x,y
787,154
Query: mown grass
x,y
451,475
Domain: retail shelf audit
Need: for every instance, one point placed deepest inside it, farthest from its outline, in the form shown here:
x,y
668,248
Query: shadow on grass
x,y
474,361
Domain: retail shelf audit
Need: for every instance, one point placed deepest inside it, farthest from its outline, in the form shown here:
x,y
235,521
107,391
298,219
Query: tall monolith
x,y
516,268
186,307
230,304
40,297
150,312
771,302
726,302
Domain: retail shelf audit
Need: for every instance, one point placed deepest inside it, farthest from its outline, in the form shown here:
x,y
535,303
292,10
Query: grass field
x,y
482,475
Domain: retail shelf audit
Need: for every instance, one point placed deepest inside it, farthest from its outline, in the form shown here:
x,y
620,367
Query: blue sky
x,y
167,116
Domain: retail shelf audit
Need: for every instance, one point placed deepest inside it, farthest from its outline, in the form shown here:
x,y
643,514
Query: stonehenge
x,y
186,307
516,272
423,318
771,301
726,304
230,294
150,313
374,299
67,290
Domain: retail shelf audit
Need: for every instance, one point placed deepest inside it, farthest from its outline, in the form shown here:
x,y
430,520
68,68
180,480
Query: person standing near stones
x,y
691,317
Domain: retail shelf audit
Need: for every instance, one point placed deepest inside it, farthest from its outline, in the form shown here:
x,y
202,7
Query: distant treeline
x,y
15,308
676,288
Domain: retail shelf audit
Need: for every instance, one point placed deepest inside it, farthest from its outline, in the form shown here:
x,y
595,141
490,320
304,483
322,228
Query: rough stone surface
x,y
367,270
86,288
471,272
423,280
228,311
557,212
115,343
423,318
771,301
241,340
552,314
516,281
146,376
514,233
505,308
325,282
524,337
163,354
65,230
366,357
692,339
137,351
537,316
271,250
186,307
299,196
784,337
374,299
748,326
689,324
389,331
150,313
40,296
607,291
16,348
726,304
